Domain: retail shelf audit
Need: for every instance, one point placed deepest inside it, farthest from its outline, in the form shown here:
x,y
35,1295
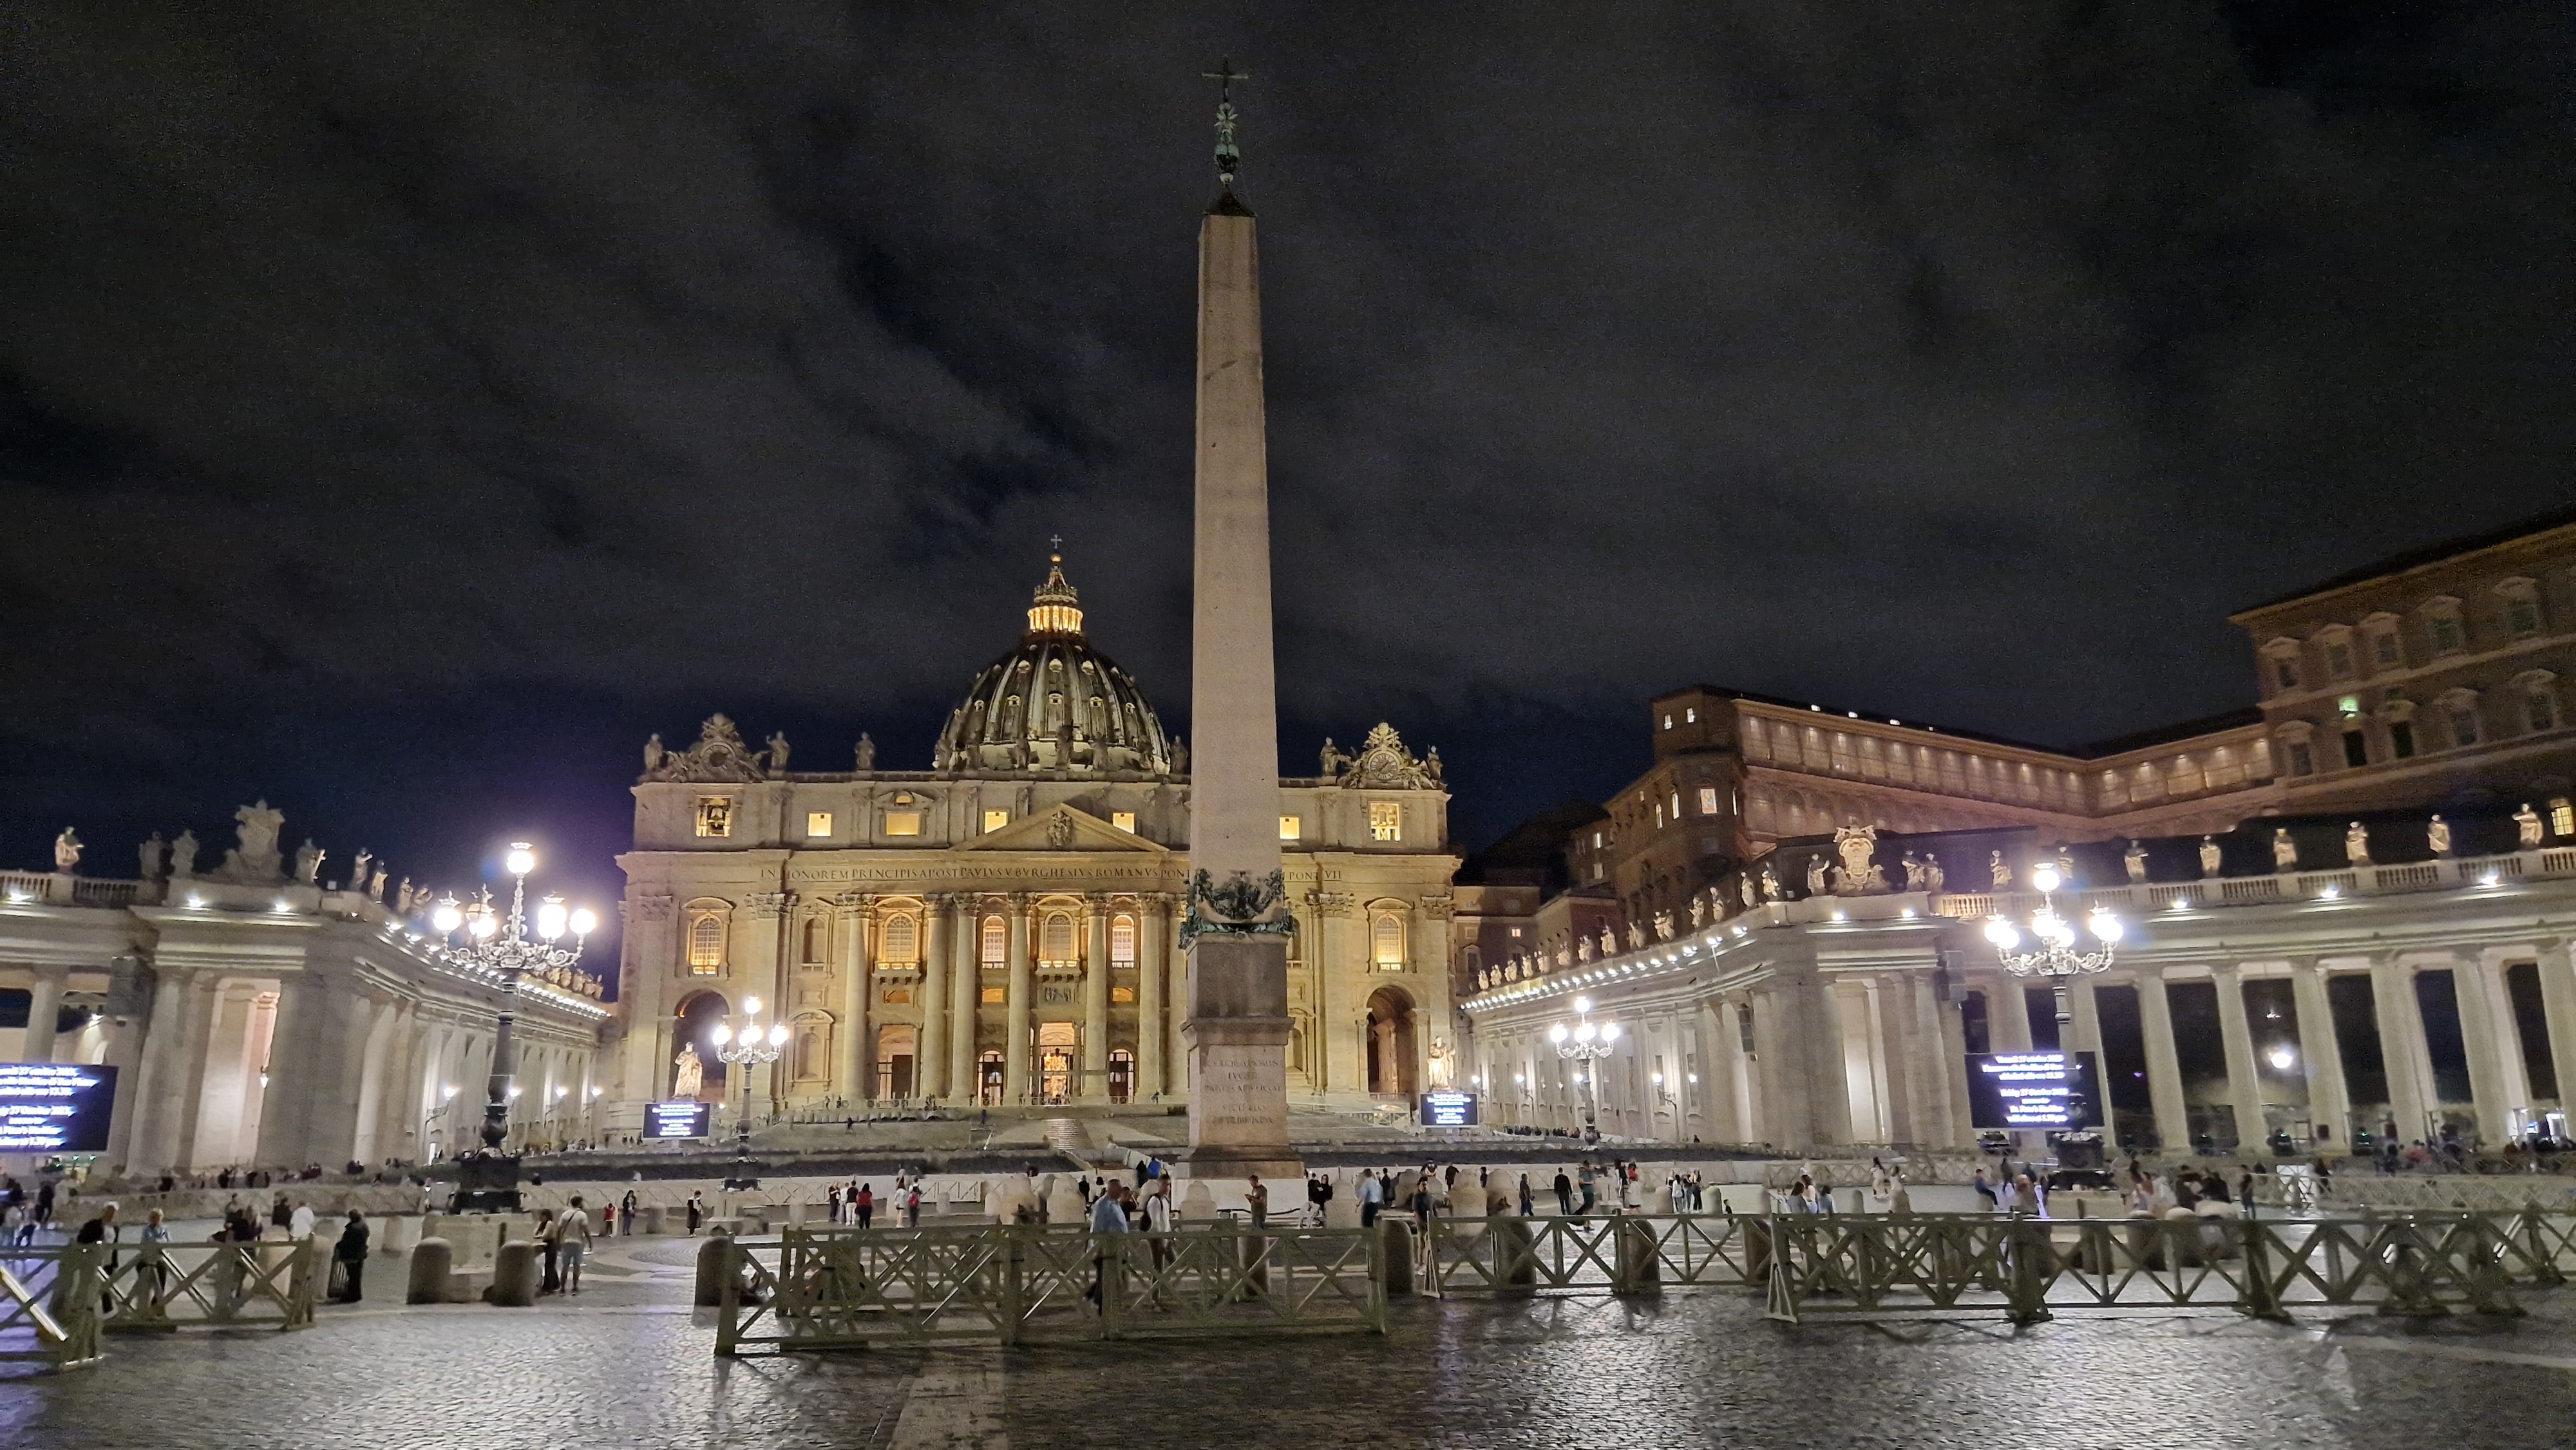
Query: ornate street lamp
x,y
501,950
1586,1046
747,1049
2055,957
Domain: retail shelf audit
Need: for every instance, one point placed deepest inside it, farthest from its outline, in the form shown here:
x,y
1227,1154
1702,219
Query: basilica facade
x,y
1002,928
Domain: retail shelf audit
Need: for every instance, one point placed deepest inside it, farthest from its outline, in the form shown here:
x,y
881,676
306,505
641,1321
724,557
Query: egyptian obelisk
x,y
1237,1029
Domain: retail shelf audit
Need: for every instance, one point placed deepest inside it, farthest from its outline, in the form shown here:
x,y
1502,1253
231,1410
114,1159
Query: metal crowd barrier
x,y
1620,1253
54,1301
49,1305
1019,1283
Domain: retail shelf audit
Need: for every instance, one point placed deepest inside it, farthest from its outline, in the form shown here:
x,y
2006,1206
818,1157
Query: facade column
x,y
44,1009
930,1041
1930,1059
648,963
2086,1029
1153,958
858,1072
2007,1015
2244,1088
152,1142
2164,1065
966,999
1016,1047
2486,1029
772,917
1095,1002
1780,1079
2402,1050
2321,1054
126,1045
287,1108
1341,1022
1434,1020
2558,1009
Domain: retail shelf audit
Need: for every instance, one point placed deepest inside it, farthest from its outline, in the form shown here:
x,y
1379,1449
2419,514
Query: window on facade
x,y
1292,827
706,944
1386,821
1668,722
2285,672
2539,709
818,823
2384,651
1122,940
2562,817
1659,815
1596,840
903,823
1708,800
1055,939
2356,750
2444,630
899,944
1691,716
1744,1028
2303,761
994,996
1124,820
994,944
2521,614
2339,659
996,820
715,816
1386,937
818,939
2464,726
2401,739
1677,806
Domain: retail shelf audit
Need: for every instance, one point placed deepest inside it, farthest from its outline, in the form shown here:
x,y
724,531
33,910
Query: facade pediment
x,y
1061,828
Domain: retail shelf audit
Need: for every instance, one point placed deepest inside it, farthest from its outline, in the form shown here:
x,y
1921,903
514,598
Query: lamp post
x,y
1586,1046
746,1049
501,950
2055,956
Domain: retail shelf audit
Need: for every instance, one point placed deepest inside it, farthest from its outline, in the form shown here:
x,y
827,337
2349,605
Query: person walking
x,y
912,1206
865,1204
156,1253
1108,1216
697,1211
350,1256
1527,1204
2245,1192
299,1224
572,1232
1564,1195
1257,1199
1372,1198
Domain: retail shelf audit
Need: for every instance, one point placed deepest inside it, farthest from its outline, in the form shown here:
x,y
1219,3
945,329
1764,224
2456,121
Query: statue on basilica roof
x,y
1384,764
719,755
867,752
67,852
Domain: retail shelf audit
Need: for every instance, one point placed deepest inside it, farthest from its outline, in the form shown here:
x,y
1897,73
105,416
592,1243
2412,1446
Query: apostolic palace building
x,y
2344,911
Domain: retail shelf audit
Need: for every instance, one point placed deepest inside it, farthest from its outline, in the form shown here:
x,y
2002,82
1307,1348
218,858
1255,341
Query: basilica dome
x,y
1054,703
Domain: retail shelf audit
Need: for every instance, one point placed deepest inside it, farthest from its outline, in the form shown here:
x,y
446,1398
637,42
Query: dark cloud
x,y
403,409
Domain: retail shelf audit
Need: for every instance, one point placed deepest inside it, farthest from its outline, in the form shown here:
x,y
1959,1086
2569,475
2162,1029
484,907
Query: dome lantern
x,y
1055,608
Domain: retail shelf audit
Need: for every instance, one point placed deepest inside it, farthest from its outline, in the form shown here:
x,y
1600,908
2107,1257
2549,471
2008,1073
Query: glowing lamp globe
x,y
584,921
521,860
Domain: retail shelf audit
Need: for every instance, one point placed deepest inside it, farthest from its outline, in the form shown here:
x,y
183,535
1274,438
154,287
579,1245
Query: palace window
x,y
2463,717
1690,716
1122,940
2562,817
818,823
2384,649
1292,828
1124,820
1055,940
1677,805
1386,821
903,823
899,941
2339,658
2521,607
715,816
1386,938
2442,627
2356,750
996,820
1659,815
706,943
2539,708
995,945
1708,800
2302,760
2285,672
2401,739
1668,722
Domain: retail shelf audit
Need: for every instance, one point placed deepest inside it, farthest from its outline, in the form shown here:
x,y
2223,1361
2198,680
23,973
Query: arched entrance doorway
x,y
699,1013
1390,1043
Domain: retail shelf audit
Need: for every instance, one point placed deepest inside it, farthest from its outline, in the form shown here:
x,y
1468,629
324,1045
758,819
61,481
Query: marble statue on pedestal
x,y
1934,878
867,752
255,858
2002,873
653,752
2285,852
2209,856
67,849
1583,949
358,869
153,851
308,862
1770,883
2526,827
689,1074
1744,888
183,854
2356,844
777,755
1609,942
2437,835
1816,868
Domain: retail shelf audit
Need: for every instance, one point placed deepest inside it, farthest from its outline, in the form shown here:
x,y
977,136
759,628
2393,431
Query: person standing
x,y
626,1213
1372,1198
572,1232
1564,1195
832,1203
2245,1191
865,1204
1257,1199
1108,1216
550,1237
697,1211
350,1253
1528,1204
299,1224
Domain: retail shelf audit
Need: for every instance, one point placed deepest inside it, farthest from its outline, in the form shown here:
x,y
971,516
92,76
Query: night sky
x,y
405,409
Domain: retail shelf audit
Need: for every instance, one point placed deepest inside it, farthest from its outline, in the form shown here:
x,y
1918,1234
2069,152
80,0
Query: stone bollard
x,y
1198,1205
1515,1253
1064,1202
653,1221
514,1276
428,1273
1639,1269
396,1232
1342,1210
1395,1267
711,1268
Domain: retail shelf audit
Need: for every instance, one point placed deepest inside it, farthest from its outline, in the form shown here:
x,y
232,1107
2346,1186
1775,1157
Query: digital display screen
x,y
1448,1110
55,1107
686,1118
2034,1090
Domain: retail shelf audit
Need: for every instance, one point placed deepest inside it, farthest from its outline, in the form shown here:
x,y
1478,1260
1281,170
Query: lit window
x,y
995,942
2562,817
995,995
706,944
1386,821
2339,659
1596,840
1516,931
2464,726
1659,815
903,823
1122,994
715,816
1387,942
1708,800
1690,716
996,820
1596,870
1124,820
1122,941
818,823
1668,722
1677,806
899,944
1294,827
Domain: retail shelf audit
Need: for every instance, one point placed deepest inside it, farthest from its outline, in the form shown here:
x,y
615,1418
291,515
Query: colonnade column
x,y
2008,1015
2321,1051
1933,1124
2486,1029
166,1086
126,1043
44,1009
1016,1046
2164,1066
1095,1003
930,1042
2236,1037
2401,1046
2557,967
965,998
858,1046
1153,957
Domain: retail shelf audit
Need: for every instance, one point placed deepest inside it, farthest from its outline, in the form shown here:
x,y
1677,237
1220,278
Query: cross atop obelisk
x,y
1237,1027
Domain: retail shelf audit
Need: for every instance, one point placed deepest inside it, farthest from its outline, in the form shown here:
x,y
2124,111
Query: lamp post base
x,y
486,1183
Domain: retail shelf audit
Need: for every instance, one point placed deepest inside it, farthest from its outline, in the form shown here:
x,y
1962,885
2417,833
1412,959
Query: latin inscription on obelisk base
x,y
1237,1028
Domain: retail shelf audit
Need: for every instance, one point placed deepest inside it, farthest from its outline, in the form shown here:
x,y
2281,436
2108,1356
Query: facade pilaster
x,y
930,1042
1339,1019
1095,1001
1016,1046
1153,959
154,1143
858,1066
1176,991
765,975
649,950
2244,1087
965,999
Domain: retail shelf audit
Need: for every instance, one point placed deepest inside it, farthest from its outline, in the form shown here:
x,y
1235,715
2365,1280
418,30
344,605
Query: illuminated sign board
x,y
1448,1110
685,1118
2034,1090
55,1107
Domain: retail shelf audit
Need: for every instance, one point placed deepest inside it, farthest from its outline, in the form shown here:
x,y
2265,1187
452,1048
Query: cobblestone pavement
x,y
629,1365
